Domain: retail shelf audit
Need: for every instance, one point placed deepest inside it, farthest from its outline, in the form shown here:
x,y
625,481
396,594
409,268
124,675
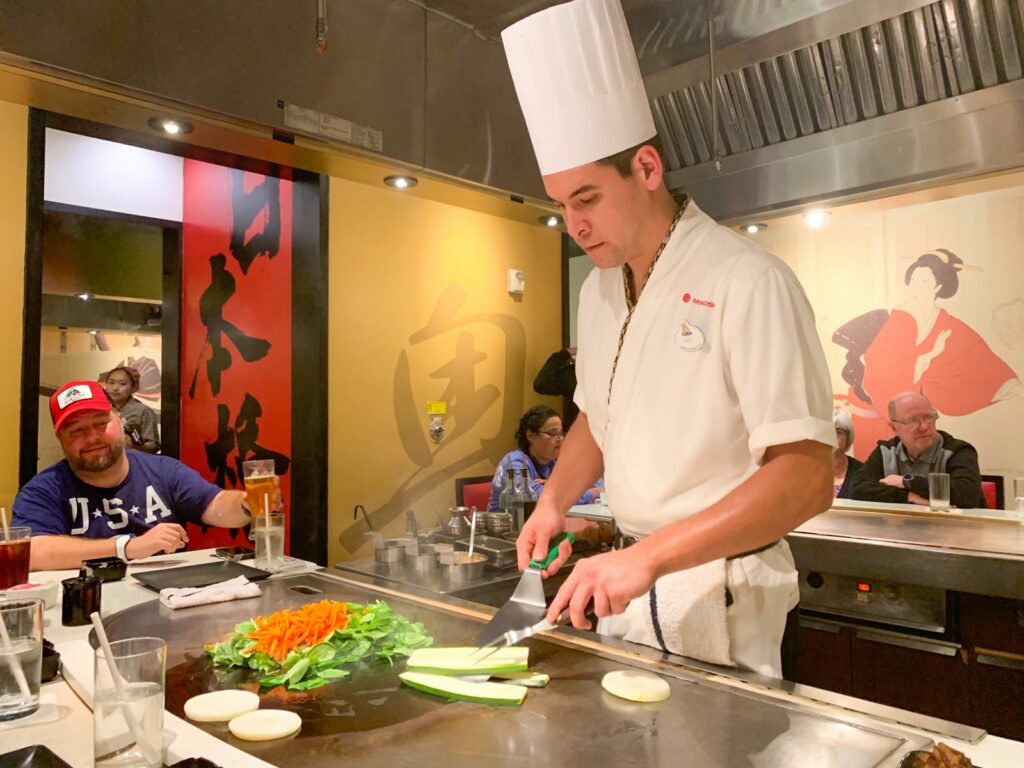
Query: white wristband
x,y
120,543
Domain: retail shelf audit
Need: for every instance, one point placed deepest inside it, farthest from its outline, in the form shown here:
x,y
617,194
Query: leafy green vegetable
x,y
374,632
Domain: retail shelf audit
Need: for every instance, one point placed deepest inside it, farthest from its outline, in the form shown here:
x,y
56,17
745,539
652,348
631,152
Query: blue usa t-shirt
x,y
158,489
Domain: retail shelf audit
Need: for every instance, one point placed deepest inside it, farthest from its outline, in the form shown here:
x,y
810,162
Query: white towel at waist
x,y
684,614
188,597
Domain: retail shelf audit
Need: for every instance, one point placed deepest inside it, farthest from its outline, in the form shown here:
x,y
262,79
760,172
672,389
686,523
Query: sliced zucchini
x,y
461,690
529,679
459,661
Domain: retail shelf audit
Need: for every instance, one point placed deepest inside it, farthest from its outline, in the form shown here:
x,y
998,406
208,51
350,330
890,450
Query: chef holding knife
x,y
704,395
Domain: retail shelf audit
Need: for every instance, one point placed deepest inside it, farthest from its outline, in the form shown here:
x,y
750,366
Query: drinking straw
x,y
129,718
3,517
16,670
266,524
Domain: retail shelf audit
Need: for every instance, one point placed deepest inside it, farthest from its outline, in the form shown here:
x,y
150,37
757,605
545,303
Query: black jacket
x,y
846,491
558,377
961,465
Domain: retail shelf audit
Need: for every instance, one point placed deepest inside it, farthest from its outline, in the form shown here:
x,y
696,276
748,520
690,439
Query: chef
x,y
704,395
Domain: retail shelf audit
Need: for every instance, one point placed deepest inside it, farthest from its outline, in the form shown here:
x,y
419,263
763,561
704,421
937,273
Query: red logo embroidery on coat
x,y
699,302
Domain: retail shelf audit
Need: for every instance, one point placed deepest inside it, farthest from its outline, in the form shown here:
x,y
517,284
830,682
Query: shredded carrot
x,y
284,631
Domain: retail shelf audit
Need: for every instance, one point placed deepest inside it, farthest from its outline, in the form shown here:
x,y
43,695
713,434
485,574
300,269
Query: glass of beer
x,y
259,485
15,542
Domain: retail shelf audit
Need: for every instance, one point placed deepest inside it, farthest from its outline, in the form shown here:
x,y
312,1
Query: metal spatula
x,y
527,605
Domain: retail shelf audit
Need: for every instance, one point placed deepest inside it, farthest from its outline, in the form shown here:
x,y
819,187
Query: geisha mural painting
x,y
921,347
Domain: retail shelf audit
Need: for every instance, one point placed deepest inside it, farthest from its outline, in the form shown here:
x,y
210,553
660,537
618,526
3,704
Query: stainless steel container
x,y
459,566
391,551
497,523
425,562
501,553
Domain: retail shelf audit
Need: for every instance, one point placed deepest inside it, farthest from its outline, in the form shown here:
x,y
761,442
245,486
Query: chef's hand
x,y
165,537
609,581
533,541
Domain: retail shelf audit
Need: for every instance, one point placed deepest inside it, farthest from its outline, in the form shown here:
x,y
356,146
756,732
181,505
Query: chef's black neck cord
x,y
631,302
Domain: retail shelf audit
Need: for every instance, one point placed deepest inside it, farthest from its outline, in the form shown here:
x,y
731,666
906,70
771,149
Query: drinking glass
x,y
1018,497
938,491
258,475
21,653
268,532
15,544
128,712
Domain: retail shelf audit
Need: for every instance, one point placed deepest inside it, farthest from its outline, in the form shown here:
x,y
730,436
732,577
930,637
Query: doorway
x,y
102,305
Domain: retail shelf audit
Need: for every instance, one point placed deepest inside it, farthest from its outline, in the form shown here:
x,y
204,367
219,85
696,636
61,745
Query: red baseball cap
x,y
75,397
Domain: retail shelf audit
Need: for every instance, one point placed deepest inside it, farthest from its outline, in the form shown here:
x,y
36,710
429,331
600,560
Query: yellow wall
x,y
858,262
13,160
419,311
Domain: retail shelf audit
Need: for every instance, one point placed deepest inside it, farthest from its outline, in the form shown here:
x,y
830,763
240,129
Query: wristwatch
x,y
120,543
907,479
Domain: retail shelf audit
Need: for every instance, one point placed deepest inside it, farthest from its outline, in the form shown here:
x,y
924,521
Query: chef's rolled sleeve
x,y
776,364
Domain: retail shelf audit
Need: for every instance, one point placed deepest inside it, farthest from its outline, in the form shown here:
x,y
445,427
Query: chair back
x,y
992,488
473,491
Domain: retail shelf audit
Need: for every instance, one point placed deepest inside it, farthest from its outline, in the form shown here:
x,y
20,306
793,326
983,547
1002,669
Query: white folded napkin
x,y
188,597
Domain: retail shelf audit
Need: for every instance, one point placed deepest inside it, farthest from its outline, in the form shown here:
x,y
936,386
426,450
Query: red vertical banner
x,y
236,329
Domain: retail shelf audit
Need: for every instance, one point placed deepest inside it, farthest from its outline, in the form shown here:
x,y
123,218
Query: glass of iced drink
x,y
21,652
128,706
268,533
258,475
15,543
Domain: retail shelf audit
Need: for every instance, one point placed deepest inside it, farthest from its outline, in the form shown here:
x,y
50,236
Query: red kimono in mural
x,y
964,377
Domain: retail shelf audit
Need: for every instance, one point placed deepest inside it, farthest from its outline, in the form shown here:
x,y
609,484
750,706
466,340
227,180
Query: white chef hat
x,y
578,82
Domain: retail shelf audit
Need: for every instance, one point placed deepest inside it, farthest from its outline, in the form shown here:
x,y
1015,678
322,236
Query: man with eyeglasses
x,y
896,472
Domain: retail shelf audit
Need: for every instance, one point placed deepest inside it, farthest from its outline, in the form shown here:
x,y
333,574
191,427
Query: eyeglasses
x,y
557,435
924,421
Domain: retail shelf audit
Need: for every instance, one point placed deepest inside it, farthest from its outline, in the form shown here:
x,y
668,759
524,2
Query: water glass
x,y
15,547
128,711
268,533
938,491
258,475
21,653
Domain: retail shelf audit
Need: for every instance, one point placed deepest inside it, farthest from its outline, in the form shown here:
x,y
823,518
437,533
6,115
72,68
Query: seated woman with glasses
x,y
540,439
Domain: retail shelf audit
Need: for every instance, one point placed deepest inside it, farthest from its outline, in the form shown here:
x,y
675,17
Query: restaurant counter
x,y
975,551
736,698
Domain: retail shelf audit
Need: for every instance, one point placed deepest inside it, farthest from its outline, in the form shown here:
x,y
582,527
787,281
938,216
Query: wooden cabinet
x,y
823,655
919,674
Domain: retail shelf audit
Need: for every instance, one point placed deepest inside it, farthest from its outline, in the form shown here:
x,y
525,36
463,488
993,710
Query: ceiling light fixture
x,y
84,296
753,229
170,126
816,218
550,220
401,182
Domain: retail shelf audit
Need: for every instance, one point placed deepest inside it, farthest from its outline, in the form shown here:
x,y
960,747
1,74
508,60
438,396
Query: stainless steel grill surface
x,y
371,720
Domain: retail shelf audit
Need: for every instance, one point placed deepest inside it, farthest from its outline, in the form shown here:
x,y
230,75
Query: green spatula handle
x,y
553,553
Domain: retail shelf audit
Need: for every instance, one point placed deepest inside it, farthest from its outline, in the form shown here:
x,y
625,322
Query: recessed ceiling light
x,y
401,182
170,126
753,229
550,220
84,296
816,218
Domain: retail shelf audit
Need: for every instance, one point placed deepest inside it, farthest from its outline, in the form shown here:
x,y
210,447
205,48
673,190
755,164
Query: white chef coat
x,y
721,361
